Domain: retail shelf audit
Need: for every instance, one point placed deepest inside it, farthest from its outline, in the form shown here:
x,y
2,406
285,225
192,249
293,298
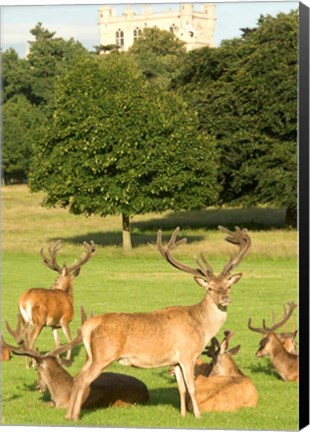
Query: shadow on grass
x,y
144,232
266,369
115,238
252,218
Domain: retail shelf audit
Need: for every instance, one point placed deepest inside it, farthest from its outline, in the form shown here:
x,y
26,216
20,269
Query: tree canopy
x,y
120,144
246,96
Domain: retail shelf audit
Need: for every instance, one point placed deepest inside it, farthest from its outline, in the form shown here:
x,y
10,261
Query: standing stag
x,y
42,307
285,362
174,336
109,389
220,385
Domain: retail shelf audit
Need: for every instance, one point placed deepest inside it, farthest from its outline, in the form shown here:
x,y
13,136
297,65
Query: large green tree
x,y
119,144
245,92
49,57
21,127
159,54
28,95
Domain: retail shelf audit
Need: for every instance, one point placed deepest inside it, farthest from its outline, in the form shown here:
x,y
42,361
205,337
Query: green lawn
x,y
143,281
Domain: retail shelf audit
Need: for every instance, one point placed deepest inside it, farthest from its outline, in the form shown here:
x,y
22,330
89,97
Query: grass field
x,y
143,281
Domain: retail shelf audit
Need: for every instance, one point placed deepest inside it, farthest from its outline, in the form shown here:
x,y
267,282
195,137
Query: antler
x,y
213,349
286,316
205,271
275,326
241,238
90,249
51,262
24,349
18,334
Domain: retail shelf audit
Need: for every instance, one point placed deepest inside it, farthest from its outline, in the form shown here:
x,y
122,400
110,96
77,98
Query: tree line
x,y
155,128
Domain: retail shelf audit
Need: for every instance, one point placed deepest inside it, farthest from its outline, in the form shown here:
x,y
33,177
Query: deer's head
x,y
66,274
217,286
271,338
222,363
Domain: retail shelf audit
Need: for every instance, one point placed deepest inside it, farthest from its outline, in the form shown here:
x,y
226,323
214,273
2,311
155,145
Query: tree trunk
x,y
291,217
127,246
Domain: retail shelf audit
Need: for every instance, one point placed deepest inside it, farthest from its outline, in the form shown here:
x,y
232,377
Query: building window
x,y
137,33
172,28
119,38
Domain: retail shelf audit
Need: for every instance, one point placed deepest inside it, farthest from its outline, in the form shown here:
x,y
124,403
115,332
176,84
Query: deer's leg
x,y
81,384
182,389
56,337
32,338
66,330
189,378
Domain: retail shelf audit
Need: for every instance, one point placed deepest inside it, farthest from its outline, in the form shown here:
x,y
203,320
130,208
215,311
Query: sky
x,y
79,21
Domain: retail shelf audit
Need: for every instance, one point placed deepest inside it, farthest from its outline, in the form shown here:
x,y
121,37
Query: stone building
x,y
195,28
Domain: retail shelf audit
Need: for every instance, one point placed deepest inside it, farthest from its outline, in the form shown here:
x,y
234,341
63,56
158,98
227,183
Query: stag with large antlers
x,y
174,336
285,362
42,307
109,389
220,385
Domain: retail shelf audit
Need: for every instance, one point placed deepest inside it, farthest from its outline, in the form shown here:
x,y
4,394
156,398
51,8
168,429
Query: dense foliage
x,y
246,95
119,144
137,130
28,93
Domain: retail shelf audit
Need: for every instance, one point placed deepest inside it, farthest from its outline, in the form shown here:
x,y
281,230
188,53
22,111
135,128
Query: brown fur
x,y
5,353
284,362
221,386
109,389
53,307
174,336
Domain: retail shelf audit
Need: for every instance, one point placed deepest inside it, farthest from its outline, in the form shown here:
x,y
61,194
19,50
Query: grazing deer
x,y
53,307
220,385
174,336
285,363
109,389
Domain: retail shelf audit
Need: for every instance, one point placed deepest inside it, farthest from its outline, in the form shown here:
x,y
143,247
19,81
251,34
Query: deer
x,y
42,307
220,385
109,389
173,336
287,338
5,353
284,362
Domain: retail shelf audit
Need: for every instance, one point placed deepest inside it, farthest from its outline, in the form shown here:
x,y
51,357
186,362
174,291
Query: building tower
x,y
195,28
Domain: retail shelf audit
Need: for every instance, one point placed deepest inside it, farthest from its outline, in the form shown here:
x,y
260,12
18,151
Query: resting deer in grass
x,y
53,307
221,386
285,363
109,389
174,336
287,338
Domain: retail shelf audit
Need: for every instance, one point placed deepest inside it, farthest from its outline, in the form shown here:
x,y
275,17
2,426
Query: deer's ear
x,y
234,278
77,272
64,271
202,282
234,350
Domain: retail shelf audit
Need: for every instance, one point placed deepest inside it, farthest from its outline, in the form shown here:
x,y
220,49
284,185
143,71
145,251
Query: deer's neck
x,y
210,316
281,359
59,383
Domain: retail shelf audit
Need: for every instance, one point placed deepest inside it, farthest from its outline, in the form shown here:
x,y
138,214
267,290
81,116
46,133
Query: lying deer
x,y
285,363
53,307
174,336
287,338
221,386
109,389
